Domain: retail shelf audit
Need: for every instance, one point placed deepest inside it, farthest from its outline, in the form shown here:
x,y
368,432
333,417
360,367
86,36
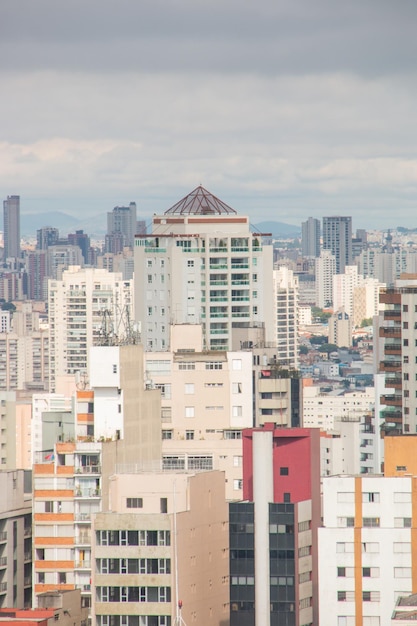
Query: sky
x,y
284,109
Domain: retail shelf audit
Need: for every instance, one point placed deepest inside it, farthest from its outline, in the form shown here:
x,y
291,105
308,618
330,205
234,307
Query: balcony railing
x,y
88,469
87,493
3,587
83,540
3,536
27,531
3,561
392,347
28,556
82,517
27,581
82,564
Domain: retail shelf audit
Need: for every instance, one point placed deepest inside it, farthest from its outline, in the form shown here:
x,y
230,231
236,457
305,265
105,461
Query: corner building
x,y
202,264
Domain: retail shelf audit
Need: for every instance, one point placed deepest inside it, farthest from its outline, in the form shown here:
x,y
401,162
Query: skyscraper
x,y
121,222
310,237
337,237
11,227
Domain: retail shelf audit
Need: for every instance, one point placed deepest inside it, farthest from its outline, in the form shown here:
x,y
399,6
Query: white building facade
x,y
202,264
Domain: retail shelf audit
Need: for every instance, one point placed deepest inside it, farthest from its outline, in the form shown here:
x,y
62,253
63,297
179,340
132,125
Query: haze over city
x,y
282,109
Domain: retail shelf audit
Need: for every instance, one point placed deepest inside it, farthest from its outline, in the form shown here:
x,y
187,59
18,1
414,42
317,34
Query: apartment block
x,y
161,551
286,301
67,494
273,533
15,539
337,237
85,308
322,410
202,264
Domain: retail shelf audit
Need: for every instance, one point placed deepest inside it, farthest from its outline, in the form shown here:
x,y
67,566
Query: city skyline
x,y
284,111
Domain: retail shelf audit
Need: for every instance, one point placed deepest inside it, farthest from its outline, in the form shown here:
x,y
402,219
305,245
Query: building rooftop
x,y
200,202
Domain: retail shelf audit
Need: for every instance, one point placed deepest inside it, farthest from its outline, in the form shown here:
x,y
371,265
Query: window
x,y
405,325
164,505
283,471
287,497
49,506
345,522
402,522
237,461
405,342
345,596
370,572
402,496
402,572
189,411
134,503
370,522
237,484
371,596
342,547
236,364
190,263
345,572
189,435
402,547
114,369
149,311
214,365
236,387
62,578
190,365
345,496
189,388
405,308
370,547
237,411
370,497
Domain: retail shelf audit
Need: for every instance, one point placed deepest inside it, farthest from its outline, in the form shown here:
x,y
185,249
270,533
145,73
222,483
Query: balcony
x,y
87,493
395,382
392,314
82,517
88,469
3,561
390,296
392,348
82,565
84,539
3,587
27,581
390,366
28,556
393,399
27,531
3,536
392,416
391,331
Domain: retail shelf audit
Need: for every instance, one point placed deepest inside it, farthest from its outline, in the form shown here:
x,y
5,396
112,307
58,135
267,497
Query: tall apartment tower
x,y
400,356
11,226
286,318
80,305
337,237
122,221
202,264
273,532
325,270
310,237
46,236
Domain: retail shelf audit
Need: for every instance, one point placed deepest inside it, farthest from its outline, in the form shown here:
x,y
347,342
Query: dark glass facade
x,y
242,566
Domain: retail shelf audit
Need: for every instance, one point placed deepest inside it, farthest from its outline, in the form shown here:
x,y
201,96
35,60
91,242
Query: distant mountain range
x,y
96,226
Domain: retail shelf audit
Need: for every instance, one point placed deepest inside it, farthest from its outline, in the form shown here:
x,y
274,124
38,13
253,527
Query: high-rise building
x,y
83,307
202,264
400,356
11,227
15,539
36,272
82,240
273,533
310,237
46,236
337,237
286,318
325,270
121,225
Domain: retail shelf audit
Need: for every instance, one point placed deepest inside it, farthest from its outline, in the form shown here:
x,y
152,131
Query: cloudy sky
x,y
283,108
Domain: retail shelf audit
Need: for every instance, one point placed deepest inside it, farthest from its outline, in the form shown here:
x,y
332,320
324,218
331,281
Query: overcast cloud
x,y
283,109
